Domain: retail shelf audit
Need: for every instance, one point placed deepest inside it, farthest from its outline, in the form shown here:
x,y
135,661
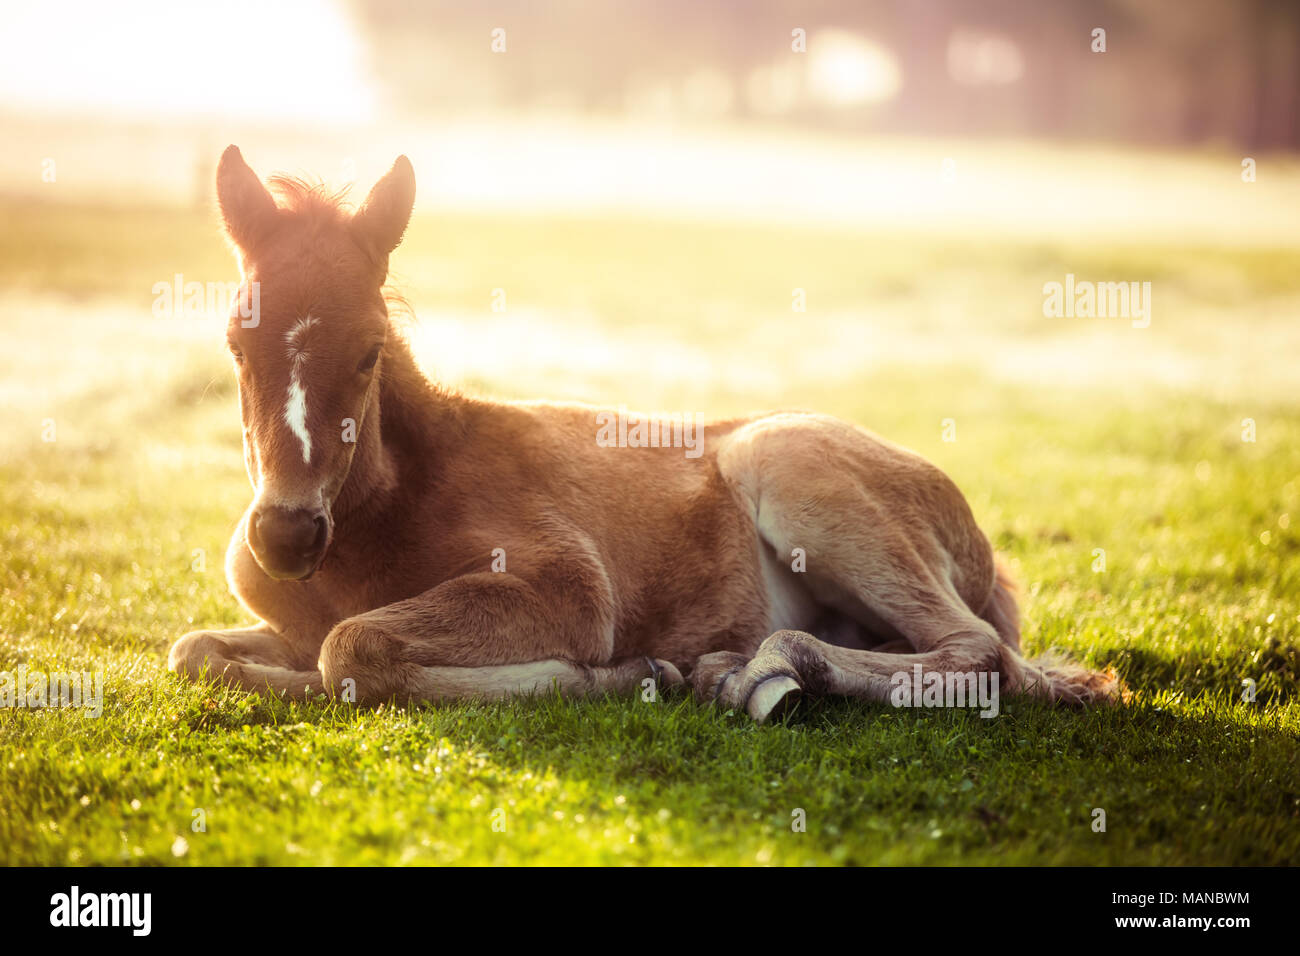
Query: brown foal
x,y
406,542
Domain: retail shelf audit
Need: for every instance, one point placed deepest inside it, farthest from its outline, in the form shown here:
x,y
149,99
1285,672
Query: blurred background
x,y
649,182
854,112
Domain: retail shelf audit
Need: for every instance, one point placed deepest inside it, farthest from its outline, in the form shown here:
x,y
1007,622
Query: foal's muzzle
x,y
289,544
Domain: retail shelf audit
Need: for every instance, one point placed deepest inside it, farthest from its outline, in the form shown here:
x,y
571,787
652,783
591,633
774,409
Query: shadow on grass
x,y
1180,781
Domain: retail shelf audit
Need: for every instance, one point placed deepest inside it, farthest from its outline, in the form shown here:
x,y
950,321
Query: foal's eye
x,y
236,354
369,361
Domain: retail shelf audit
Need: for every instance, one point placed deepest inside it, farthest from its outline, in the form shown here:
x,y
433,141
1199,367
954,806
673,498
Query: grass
x,y
111,540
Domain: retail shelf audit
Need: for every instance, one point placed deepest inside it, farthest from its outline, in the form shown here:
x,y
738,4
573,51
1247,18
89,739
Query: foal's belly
x,y
837,619
789,604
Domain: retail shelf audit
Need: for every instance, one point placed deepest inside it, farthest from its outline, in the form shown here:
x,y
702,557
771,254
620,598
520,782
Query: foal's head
x,y
310,356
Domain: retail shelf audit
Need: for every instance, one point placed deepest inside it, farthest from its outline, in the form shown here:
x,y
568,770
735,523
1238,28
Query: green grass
x,y
1201,586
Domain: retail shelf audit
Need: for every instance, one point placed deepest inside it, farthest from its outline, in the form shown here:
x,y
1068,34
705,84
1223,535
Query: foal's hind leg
x,y
915,596
786,665
949,639
249,658
887,536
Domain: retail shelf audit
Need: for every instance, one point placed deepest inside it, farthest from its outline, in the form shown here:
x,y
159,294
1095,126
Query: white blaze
x,y
295,409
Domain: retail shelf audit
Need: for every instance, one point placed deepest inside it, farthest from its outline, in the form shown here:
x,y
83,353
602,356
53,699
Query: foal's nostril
x,y
322,530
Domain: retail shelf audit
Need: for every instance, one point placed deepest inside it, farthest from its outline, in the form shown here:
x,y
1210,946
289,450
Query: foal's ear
x,y
382,218
247,208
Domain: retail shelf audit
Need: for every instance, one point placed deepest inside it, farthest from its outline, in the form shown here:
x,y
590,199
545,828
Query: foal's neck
x,y
411,429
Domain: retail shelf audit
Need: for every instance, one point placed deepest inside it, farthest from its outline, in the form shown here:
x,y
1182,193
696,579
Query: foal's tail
x,y
1002,611
1052,676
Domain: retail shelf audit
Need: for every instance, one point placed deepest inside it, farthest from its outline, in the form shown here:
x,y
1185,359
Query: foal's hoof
x,y
713,671
776,695
665,674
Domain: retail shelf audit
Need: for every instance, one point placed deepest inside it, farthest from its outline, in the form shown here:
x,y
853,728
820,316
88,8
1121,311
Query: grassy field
x,y
1072,437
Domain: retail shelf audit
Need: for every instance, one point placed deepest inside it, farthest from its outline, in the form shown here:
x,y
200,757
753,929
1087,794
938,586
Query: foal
x,y
407,542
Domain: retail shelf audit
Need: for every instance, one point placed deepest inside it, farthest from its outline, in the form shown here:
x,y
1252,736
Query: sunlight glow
x,y
845,69
284,60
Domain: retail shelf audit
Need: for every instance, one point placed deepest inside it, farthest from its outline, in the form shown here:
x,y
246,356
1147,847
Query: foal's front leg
x,y
251,658
485,635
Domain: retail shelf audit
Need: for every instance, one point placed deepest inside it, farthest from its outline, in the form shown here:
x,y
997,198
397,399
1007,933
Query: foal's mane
x,y
311,197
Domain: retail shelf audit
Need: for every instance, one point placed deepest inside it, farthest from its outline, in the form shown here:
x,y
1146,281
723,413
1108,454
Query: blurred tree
x,y
1184,71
